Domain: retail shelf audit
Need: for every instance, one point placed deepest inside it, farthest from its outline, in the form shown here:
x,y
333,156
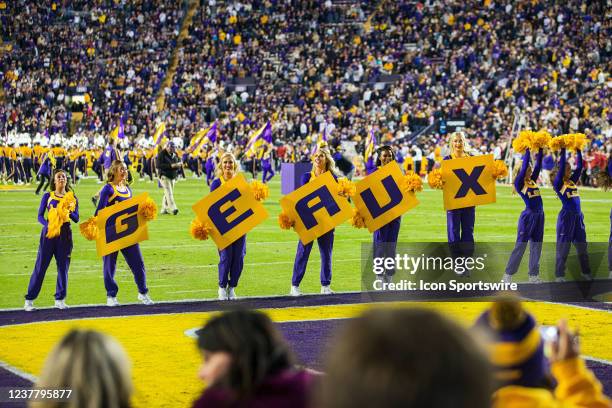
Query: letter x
x,y
469,181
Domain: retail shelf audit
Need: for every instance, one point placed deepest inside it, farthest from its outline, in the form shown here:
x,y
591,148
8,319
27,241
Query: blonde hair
x,y
113,170
219,170
466,146
94,366
330,164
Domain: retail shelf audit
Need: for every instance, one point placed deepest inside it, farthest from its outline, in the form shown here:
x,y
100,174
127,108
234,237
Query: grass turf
x,y
179,267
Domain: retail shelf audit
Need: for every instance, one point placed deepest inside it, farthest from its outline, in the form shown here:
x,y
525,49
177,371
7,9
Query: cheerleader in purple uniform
x,y
531,220
266,165
460,222
59,246
322,162
115,191
385,238
231,258
570,222
44,172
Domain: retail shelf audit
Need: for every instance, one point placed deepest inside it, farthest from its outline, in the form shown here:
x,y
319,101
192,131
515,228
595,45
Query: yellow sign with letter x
x,y
468,182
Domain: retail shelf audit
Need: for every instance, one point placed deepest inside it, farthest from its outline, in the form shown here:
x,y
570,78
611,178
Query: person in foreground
x,y
91,364
246,363
405,358
526,378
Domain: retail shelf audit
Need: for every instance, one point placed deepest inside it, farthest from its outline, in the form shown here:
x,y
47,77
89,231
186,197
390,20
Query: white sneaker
x,y
507,278
232,294
145,299
326,290
587,277
112,301
29,306
61,304
295,291
534,279
222,294
560,279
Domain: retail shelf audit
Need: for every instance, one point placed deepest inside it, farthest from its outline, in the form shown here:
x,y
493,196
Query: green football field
x,y
179,267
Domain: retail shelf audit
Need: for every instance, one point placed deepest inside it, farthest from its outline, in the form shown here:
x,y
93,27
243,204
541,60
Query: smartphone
x,y
549,334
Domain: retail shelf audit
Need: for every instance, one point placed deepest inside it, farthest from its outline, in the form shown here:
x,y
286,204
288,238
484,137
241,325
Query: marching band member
x,y
55,239
231,259
531,220
570,222
115,191
266,165
322,162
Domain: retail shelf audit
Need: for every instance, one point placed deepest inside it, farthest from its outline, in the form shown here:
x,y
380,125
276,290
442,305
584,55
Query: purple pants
x,y
209,166
231,262
530,229
570,229
59,247
460,231
133,257
385,242
268,173
326,245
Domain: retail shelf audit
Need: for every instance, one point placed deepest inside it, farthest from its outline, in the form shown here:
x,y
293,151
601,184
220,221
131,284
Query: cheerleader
x,y
209,165
266,165
385,238
322,162
115,191
570,222
55,239
231,259
460,222
531,220
44,172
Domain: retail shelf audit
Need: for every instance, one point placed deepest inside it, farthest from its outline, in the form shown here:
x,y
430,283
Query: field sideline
x,y
179,267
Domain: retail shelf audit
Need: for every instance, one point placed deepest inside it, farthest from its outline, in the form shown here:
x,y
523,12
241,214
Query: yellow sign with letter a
x,y
468,182
121,225
231,211
316,207
380,199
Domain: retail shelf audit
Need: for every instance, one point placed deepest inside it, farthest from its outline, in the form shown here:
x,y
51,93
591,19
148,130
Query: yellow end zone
x,y
165,360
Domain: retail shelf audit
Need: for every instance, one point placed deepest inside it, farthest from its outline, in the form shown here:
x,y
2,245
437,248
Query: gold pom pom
x,y
260,190
523,141
148,209
540,139
557,143
284,221
499,170
89,229
434,179
346,188
68,203
54,222
578,141
411,183
357,219
199,230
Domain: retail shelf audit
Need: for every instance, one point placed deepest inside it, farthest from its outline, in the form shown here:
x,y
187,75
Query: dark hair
x,y
406,358
52,182
382,149
255,345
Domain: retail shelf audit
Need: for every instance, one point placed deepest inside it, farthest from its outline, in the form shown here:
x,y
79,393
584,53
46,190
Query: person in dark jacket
x,y
246,363
168,164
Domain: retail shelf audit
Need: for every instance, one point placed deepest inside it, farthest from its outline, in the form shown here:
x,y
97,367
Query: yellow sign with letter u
x,y
121,225
468,182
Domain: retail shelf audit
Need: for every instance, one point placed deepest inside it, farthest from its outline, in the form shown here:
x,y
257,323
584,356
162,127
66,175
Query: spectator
x,y
246,363
405,358
91,364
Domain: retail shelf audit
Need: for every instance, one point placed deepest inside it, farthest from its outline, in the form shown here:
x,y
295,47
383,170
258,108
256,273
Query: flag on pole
x,y
370,146
261,136
118,132
320,140
160,131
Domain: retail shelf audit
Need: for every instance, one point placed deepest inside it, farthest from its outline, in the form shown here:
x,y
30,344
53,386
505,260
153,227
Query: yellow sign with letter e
x,y
380,199
468,182
121,225
316,207
231,211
